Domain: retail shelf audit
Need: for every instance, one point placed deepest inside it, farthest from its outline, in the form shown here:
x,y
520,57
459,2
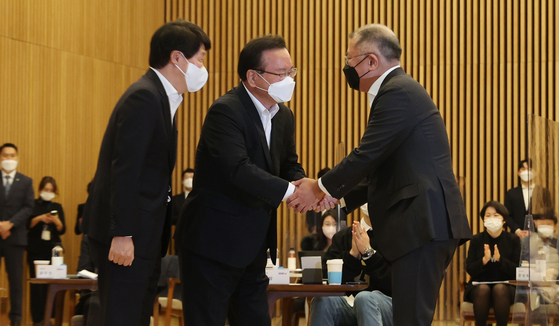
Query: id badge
x,y
45,235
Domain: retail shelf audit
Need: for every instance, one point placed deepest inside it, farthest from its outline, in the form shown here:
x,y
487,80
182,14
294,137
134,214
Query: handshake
x,y
308,196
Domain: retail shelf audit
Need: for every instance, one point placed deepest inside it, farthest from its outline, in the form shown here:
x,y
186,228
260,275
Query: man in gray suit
x,y
16,205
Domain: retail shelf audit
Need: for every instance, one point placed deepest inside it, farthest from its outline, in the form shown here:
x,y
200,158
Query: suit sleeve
x,y
510,220
356,197
20,218
224,137
509,264
135,128
390,124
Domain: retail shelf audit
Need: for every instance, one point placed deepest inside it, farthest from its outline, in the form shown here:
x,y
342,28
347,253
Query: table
x,y
280,291
56,292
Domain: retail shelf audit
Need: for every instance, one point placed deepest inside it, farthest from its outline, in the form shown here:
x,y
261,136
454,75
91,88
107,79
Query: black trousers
x,y
38,292
13,256
126,294
416,280
213,291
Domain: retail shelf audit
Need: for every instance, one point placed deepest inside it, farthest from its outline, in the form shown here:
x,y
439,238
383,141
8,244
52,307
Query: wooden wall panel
x,y
64,65
486,63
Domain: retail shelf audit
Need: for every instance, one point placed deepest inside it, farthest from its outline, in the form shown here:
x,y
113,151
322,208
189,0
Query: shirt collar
x,y
175,98
373,91
11,174
532,185
260,107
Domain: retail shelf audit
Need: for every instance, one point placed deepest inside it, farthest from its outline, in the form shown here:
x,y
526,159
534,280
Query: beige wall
x,y
65,63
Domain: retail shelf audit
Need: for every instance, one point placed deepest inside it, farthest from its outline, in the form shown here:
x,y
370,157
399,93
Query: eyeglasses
x,y
346,58
290,73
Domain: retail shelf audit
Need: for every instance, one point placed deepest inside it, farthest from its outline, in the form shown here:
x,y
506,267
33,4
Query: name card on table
x,y
52,271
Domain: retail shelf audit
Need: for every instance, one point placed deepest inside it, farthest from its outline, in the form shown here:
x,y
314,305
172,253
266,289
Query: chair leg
x,y
156,311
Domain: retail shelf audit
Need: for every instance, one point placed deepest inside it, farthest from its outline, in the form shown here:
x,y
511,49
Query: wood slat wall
x,y
486,63
64,64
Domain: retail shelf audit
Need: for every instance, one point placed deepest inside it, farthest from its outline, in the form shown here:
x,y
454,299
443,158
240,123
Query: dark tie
x,y
8,185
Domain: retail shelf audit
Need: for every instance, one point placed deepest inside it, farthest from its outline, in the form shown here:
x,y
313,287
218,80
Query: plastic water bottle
x,y
57,255
291,261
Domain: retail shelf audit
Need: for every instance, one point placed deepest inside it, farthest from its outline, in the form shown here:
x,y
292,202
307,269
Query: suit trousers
x,y
416,280
126,293
13,256
214,291
37,292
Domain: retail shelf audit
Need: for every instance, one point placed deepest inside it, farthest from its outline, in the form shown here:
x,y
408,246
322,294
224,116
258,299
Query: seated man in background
x,y
178,200
372,306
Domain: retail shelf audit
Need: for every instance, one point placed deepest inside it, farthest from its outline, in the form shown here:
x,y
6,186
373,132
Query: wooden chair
x,y
161,304
467,310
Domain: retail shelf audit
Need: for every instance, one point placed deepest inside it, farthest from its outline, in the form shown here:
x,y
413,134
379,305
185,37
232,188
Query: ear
x,y
251,77
175,57
373,61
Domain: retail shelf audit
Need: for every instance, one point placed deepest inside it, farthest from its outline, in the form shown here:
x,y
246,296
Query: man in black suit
x,y
126,217
16,205
415,205
527,198
244,164
178,200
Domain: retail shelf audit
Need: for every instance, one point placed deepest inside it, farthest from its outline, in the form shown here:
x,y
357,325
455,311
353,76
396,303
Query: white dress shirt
x,y
266,117
12,177
527,194
175,99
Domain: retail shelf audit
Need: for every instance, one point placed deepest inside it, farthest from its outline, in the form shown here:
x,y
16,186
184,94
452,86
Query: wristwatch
x,y
369,252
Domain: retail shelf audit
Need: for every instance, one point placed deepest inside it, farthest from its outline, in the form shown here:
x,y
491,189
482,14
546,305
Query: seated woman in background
x,y
326,230
45,228
493,256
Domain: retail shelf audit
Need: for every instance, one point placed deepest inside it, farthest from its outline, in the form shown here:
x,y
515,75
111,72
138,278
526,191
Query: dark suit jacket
x,y
17,208
177,201
239,182
132,184
404,154
514,202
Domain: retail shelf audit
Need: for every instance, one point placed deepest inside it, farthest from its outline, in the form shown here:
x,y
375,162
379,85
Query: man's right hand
x,y
522,233
122,251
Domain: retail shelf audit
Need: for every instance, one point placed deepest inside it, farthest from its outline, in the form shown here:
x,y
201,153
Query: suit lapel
x,y
393,73
255,117
276,141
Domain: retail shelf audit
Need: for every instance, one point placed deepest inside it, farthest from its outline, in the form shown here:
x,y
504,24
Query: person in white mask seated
x,y
372,306
326,230
493,256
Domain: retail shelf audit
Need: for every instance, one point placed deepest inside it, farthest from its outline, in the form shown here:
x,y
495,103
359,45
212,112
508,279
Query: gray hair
x,y
382,37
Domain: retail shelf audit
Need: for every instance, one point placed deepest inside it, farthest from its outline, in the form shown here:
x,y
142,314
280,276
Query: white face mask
x,y
545,231
187,183
365,225
329,231
9,165
526,175
281,91
195,77
47,196
365,209
492,224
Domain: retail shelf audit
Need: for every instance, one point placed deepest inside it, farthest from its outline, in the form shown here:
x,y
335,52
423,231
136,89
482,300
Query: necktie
x,y
8,185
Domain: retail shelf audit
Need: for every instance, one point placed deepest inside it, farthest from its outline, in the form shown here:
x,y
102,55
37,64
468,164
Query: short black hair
x,y
527,161
251,55
188,170
322,172
8,145
179,35
547,214
500,208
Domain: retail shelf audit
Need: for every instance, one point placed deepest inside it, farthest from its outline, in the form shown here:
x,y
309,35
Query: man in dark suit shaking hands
x,y
127,217
415,206
16,205
244,164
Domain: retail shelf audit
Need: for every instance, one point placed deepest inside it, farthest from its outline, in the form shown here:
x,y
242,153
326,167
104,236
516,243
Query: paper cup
x,y
40,262
335,267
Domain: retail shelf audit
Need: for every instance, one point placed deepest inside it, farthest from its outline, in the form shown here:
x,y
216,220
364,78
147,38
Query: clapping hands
x,y
308,195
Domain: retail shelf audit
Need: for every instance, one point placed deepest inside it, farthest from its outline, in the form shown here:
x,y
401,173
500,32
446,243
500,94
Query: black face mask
x,y
351,75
